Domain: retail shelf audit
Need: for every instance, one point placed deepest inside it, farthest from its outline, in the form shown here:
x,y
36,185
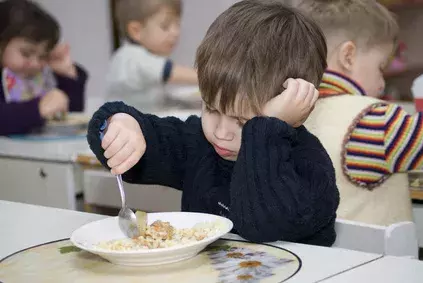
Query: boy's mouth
x,y
224,152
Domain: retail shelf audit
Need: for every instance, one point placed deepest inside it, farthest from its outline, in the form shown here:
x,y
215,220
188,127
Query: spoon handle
x,y
122,192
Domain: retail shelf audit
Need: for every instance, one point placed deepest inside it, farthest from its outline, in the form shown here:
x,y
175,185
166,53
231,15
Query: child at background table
x,y
372,143
38,77
248,157
141,66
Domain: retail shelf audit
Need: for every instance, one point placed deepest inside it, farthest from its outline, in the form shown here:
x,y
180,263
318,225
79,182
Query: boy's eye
x,y
210,110
241,122
164,26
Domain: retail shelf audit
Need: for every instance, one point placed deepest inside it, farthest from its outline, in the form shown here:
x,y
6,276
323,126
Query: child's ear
x,y
347,55
134,30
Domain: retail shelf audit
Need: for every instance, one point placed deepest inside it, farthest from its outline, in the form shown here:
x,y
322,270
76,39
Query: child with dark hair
x,y
248,157
38,77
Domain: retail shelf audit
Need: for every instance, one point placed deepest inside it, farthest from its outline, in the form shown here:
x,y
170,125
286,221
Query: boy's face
x,y
24,57
368,67
223,132
160,32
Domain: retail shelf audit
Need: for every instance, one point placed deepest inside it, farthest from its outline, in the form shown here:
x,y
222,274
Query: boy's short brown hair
x,y
365,22
140,10
251,49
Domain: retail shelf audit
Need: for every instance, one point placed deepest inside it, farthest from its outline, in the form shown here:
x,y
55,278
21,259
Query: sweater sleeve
x,y
74,88
18,117
164,160
403,140
283,185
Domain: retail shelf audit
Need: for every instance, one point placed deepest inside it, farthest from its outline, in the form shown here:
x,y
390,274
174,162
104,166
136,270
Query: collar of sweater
x,y
334,83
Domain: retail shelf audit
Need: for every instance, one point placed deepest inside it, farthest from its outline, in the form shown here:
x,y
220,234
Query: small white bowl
x,y
88,236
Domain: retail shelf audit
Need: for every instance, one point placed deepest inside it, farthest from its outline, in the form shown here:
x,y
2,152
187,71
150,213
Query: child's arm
x,y
155,149
70,78
386,140
283,186
22,117
183,75
74,87
19,118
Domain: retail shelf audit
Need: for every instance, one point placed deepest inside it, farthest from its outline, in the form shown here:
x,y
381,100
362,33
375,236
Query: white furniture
x,y
100,189
41,224
44,172
100,186
387,270
41,172
399,239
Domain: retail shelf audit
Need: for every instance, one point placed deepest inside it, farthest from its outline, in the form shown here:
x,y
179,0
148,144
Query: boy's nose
x,y
223,130
176,30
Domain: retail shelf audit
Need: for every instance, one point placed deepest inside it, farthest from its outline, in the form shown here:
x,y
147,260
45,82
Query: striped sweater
x,y
385,139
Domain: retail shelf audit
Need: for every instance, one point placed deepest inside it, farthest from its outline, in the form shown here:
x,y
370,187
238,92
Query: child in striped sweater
x,y
372,143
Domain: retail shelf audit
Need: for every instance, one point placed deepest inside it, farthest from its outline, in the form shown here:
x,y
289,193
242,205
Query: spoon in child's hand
x,y
127,219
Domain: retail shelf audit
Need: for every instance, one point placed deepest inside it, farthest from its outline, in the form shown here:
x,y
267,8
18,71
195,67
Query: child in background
x,y
38,78
247,158
372,143
141,67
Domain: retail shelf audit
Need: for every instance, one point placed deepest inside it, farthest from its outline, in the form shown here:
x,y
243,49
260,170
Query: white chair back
x,y
399,239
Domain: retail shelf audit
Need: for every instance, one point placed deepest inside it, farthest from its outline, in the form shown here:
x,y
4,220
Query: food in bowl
x,y
161,234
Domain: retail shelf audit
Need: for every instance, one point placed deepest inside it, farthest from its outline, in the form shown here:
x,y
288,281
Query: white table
x,y
41,224
387,270
44,172
41,172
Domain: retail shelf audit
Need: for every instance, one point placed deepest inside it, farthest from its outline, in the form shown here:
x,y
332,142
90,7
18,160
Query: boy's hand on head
x,y
55,101
123,142
294,104
61,62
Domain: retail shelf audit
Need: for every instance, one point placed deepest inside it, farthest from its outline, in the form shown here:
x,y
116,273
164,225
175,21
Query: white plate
x,y
88,236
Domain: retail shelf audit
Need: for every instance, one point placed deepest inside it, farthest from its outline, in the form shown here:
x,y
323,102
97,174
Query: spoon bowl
x,y
126,217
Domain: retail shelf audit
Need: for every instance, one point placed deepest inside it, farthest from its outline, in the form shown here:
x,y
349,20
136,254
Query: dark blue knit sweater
x,y
282,187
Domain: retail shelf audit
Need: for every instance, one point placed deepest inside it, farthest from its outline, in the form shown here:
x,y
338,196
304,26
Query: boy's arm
x,y
283,185
168,142
183,75
403,139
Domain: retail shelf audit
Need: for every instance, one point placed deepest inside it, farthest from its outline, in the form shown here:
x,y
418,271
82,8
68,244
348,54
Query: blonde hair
x,y
365,22
140,10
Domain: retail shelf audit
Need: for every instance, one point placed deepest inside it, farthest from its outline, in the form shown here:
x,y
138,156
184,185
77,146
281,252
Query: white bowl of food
x,y
190,234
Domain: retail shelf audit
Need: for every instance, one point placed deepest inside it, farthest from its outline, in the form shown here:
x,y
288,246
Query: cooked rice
x,y
163,235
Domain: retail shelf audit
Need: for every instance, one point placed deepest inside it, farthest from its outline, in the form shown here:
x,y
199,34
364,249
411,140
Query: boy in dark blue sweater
x,y
248,157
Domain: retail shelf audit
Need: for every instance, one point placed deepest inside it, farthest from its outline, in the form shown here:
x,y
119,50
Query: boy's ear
x,y
134,30
347,55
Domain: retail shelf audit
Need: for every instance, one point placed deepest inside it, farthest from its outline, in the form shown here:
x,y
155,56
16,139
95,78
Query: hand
x,y
123,142
54,102
294,104
61,62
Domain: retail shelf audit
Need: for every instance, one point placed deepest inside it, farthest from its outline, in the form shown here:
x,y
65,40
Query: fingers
x,y
121,156
111,134
127,164
303,90
315,97
117,145
311,95
291,88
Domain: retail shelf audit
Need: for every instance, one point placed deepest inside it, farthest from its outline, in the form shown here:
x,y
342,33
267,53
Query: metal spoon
x,y
127,219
